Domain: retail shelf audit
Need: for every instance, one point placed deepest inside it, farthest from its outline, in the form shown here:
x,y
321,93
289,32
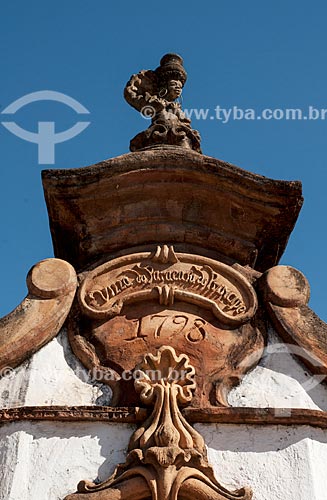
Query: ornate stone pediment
x,y
141,301
196,318
170,328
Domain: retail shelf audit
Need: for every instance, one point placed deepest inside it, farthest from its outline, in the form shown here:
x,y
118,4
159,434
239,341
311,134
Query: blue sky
x,y
250,54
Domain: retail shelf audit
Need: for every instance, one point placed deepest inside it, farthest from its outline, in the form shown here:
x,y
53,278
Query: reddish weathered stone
x,y
286,292
285,286
136,415
138,302
173,196
51,288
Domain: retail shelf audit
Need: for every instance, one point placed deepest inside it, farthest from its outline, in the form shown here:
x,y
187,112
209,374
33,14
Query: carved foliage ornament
x,y
167,458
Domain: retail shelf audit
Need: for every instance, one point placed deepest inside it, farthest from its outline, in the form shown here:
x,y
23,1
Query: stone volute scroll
x,y
286,292
155,94
51,286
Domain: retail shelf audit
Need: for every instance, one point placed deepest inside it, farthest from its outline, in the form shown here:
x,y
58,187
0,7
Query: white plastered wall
x,y
46,460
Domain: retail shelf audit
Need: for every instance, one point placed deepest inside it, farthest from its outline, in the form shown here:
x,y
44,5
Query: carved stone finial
x,y
154,94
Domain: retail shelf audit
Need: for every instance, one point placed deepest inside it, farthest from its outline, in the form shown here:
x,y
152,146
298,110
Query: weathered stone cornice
x,y
136,415
169,195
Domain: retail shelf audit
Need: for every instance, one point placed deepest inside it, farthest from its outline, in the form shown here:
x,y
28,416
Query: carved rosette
x,y
139,302
167,458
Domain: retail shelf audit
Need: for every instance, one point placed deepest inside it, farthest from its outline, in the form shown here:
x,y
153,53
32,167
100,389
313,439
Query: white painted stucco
x,y
45,461
280,381
53,376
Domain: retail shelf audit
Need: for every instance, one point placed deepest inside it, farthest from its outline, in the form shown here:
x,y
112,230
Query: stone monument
x,y
166,285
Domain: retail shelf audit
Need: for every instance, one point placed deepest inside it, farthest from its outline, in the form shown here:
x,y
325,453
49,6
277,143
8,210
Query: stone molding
x,y
136,415
199,204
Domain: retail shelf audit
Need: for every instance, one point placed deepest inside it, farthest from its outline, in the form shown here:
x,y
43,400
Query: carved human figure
x,y
154,94
174,89
167,110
